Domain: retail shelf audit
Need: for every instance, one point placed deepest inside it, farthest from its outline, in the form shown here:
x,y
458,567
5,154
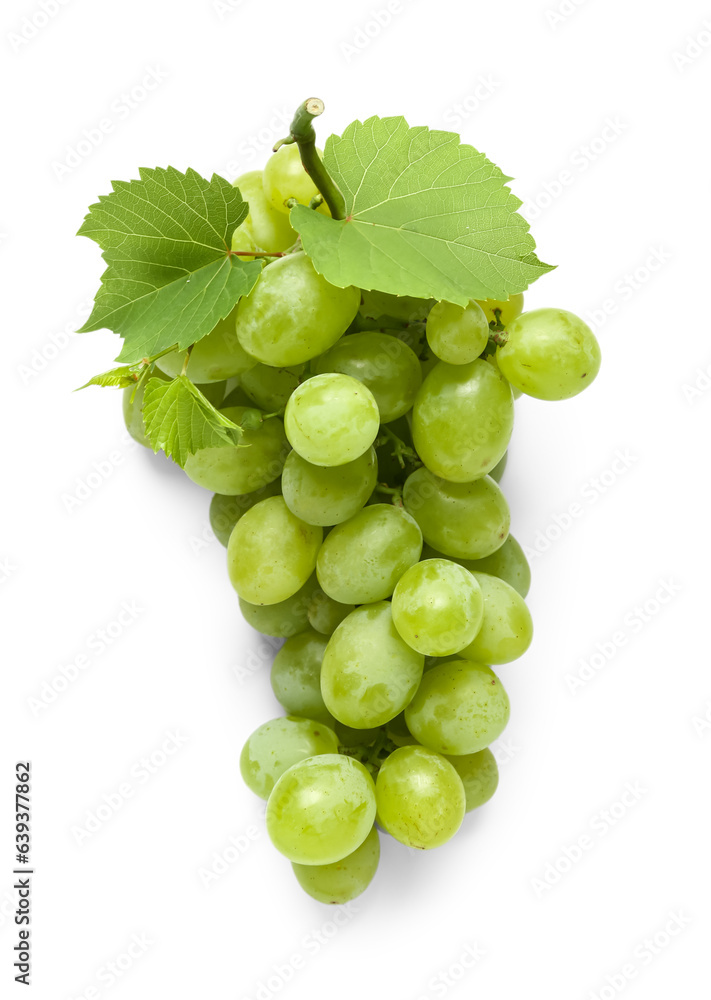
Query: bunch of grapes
x,y
365,526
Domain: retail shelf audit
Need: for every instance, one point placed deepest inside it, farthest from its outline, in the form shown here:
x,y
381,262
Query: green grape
x,y
462,520
296,676
369,674
479,773
216,357
225,511
278,745
269,230
362,559
285,177
331,419
271,554
387,366
420,796
412,336
284,619
457,334
437,607
328,495
379,305
498,470
427,365
342,881
293,314
462,420
321,809
256,461
508,309
269,388
549,354
350,737
325,614
242,241
506,629
133,409
460,707
509,563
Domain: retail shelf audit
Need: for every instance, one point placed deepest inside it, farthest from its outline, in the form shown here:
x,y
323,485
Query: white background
x,y
597,93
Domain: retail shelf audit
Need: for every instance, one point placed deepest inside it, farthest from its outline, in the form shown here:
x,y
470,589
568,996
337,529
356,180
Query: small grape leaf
x,y
117,377
181,421
170,275
425,216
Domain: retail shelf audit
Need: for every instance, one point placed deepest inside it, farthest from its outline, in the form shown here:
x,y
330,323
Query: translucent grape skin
x,y
233,469
549,354
296,676
269,388
387,366
479,773
278,745
321,809
225,511
328,495
500,467
509,563
457,334
325,614
362,559
461,520
271,554
508,308
460,708
269,230
285,618
284,178
293,314
437,607
462,420
506,629
421,799
369,673
344,880
216,357
331,419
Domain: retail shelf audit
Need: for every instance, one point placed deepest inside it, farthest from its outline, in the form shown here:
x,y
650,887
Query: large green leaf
x,y
170,276
426,216
181,421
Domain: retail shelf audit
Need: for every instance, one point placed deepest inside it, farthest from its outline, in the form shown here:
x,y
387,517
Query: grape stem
x,y
391,491
302,133
253,253
401,451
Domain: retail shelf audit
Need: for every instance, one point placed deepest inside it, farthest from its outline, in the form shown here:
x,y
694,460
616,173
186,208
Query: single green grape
x,y
369,673
293,314
271,554
362,559
256,461
285,177
387,366
509,563
325,614
462,420
331,419
269,230
479,773
269,388
508,309
225,511
437,607
457,334
296,676
343,880
321,809
216,357
460,707
461,520
133,409
420,796
328,495
549,354
506,628
278,745
404,308
350,737
285,618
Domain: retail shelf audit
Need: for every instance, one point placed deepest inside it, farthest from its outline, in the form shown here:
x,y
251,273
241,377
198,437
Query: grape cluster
x,y
365,526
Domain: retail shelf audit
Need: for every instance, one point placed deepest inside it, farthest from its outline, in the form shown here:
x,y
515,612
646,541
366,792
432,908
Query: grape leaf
x,y
170,276
181,421
117,377
426,216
